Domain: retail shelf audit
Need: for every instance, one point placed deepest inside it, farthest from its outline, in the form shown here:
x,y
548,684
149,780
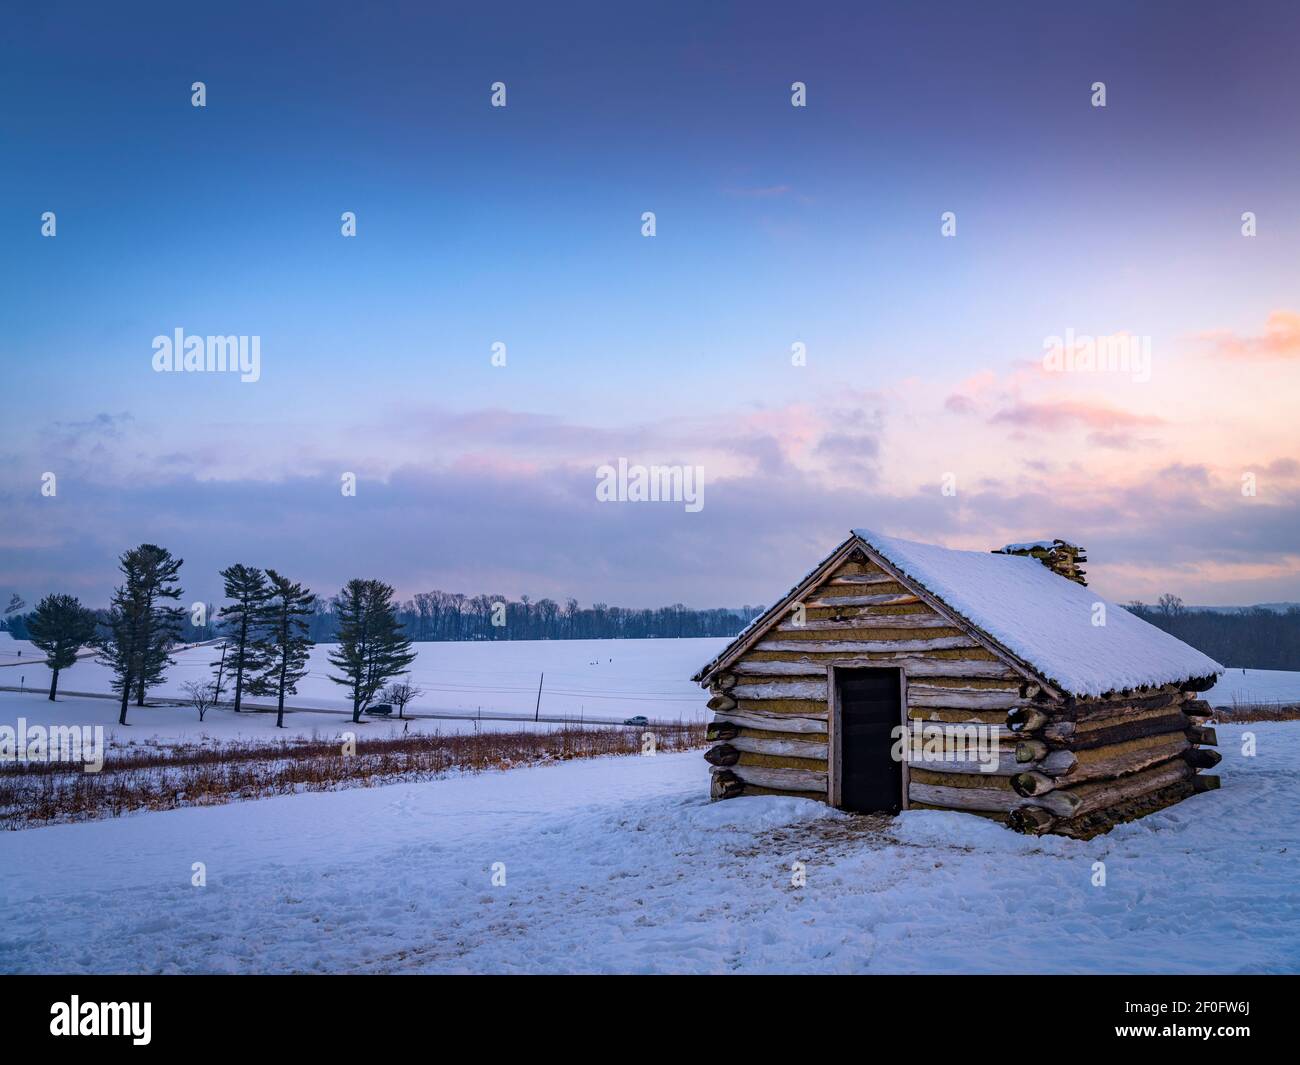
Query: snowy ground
x,y
622,865
1253,687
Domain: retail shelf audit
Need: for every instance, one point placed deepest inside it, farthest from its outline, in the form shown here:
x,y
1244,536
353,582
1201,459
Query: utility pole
x,y
538,708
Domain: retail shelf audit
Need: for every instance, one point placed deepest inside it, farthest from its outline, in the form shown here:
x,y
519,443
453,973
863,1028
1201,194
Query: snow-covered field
x,y
622,865
585,680
1252,687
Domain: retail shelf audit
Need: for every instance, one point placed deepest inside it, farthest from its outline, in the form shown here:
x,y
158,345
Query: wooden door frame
x,y
834,749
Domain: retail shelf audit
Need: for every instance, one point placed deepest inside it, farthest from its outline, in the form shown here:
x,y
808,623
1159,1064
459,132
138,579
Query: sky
x,y
922,407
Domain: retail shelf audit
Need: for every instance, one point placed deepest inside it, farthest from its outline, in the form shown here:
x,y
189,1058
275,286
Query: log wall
x,y
1072,766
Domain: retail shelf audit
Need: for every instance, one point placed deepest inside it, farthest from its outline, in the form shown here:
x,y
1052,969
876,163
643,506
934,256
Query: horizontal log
x,y
998,800
790,689
968,699
781,779
1004,762
882,599
1118,733
861,628
1121,763
956,668
1089,798
863,578
855,622
804,707
1084,710
1057,763
776,722
784,748
849,647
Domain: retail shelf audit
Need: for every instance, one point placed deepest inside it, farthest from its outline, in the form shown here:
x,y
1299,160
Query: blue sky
x,y
522,225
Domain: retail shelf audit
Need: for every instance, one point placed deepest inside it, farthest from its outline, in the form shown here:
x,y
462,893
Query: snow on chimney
x,y
1060,556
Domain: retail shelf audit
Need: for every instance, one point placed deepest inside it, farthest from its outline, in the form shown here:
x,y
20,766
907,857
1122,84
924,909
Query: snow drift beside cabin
x,y
1046,620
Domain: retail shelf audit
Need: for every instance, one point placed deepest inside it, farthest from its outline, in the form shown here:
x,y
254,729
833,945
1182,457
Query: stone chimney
x,y
1060,556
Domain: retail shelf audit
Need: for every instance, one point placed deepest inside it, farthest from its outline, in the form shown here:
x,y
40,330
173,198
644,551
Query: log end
x,y
724,754
1031,783
726,785
1206,782
1032,820
1200,758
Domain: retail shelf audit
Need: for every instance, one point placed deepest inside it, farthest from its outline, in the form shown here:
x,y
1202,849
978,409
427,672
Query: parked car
x,y
638,720
380,709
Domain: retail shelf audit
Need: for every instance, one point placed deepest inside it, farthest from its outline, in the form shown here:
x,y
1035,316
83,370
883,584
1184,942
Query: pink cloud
x,y
1067,414
1280,340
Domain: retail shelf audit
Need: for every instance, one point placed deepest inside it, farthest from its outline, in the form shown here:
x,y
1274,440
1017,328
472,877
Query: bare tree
x,y
399,693
201,694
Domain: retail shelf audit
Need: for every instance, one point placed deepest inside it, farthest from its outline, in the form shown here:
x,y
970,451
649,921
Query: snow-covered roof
x,y
1046,620
1034,545
1042,618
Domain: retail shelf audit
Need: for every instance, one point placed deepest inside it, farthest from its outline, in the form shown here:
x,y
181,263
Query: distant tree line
x,y
1249,638
437,616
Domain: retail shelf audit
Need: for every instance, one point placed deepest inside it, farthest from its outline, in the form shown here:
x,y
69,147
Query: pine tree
x,y
245,617
141,627
372,646
288,608
60,626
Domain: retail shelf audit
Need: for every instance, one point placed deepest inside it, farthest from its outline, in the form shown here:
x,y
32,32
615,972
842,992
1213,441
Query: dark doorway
x,y
871,780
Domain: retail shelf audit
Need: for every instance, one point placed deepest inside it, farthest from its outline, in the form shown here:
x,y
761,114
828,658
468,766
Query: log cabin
x,y
899,675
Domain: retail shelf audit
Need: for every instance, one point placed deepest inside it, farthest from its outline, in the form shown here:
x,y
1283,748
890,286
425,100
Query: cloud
x,y
1066,414
1280,339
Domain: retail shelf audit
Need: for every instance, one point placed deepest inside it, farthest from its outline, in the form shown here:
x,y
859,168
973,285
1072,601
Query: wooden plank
x,y
970,699
786,748
781,779
849,647
955,668
791,689
863,579
776,722
1005,762
869,621
834,602
972,799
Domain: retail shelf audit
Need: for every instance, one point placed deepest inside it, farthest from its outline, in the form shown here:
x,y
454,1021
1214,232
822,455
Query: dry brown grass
x,y
164,778
1256,712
